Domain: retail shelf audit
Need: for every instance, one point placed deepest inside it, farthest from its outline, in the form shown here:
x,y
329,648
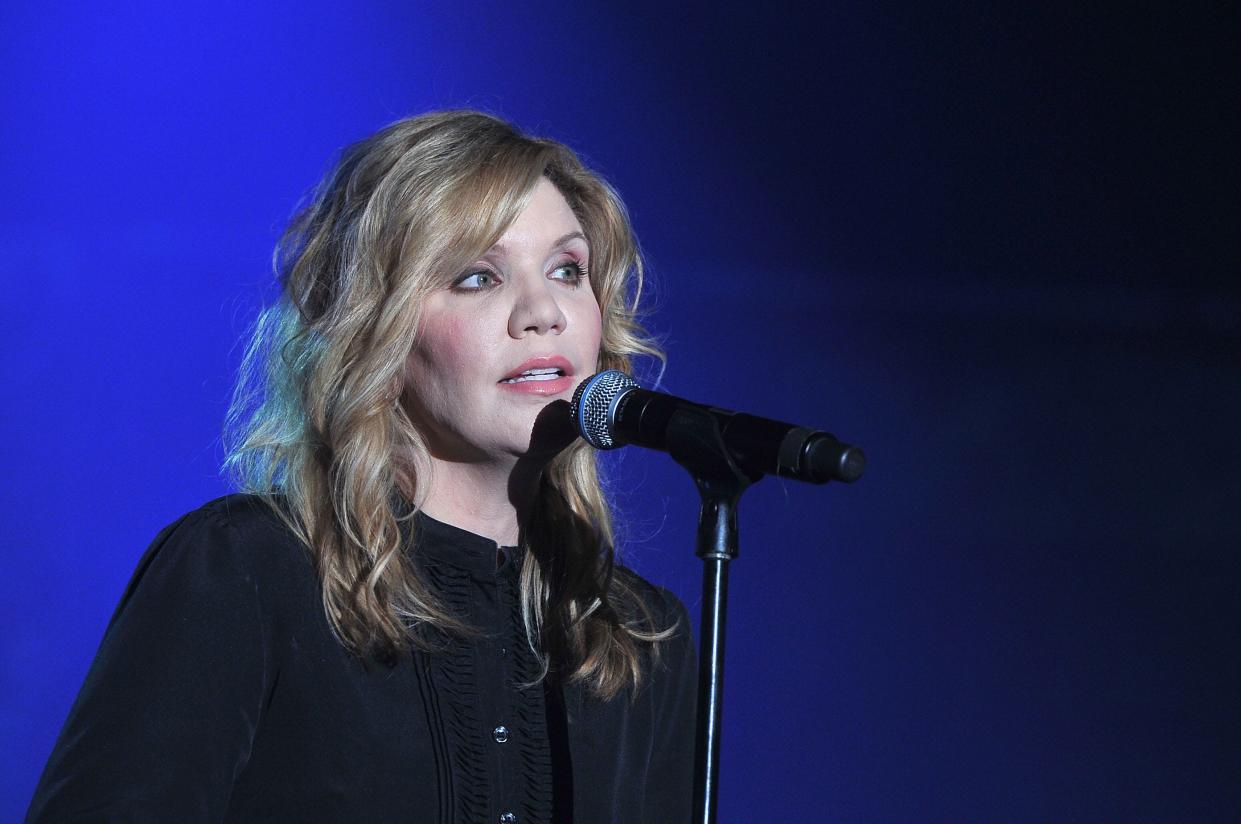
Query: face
x,y
500,341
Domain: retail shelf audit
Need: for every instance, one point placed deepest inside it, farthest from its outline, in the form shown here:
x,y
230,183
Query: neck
x,y
491,500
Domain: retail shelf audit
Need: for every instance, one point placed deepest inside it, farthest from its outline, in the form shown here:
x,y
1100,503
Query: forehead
x,y
547,221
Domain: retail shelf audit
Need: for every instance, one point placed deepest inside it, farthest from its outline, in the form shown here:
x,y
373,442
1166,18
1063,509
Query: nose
x,y
536,308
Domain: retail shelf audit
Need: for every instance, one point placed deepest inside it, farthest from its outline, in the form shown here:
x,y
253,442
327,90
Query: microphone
x,y
609,409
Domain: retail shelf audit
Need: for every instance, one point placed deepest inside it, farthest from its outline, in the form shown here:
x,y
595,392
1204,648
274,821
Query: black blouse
x,y
220,694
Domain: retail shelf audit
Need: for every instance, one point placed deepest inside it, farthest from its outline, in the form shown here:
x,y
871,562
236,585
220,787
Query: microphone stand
x,y
691,434
695,442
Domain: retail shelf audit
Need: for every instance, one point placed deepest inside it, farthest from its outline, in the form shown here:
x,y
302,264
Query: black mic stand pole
x,y
694,441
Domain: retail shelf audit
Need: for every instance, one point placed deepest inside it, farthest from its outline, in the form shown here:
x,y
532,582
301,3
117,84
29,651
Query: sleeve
x,y
670,791
165,719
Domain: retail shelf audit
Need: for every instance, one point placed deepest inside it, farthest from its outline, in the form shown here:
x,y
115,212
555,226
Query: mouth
x,y
542,374
542,368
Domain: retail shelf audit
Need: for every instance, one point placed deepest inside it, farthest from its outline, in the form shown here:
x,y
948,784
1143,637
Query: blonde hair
x,y
317,428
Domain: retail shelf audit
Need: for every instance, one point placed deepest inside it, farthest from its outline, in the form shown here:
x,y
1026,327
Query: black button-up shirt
x,y
220,694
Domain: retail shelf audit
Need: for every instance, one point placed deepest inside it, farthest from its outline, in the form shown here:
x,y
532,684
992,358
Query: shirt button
x,y
507,817
500,734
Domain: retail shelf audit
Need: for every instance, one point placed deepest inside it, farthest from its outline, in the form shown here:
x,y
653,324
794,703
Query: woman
x,y
413,615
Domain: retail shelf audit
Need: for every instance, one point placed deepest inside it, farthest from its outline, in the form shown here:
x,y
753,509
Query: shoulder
x,y
243,524
658,607
247,516
231,544
660,600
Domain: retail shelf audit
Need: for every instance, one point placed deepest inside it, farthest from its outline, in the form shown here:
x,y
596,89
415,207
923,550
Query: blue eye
x,y
475,281
571,273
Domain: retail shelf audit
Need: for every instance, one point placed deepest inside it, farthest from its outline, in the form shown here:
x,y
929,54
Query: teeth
x,y
544,374
527,379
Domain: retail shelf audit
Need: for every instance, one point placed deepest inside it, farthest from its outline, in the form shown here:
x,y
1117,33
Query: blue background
x,y
999,248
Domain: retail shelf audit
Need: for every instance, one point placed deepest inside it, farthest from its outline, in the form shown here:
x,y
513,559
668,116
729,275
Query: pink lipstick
x,y
548,375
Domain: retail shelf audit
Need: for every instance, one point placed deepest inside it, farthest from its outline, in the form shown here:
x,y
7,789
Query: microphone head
x,y
594,406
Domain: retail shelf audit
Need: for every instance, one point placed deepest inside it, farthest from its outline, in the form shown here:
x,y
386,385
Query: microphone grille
x,y
594,404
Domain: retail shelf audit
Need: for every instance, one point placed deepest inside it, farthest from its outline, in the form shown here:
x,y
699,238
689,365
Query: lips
x,y
539,369
548,375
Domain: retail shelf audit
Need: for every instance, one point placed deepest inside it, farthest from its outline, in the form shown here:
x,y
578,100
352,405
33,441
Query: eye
x,y
570,272
476,281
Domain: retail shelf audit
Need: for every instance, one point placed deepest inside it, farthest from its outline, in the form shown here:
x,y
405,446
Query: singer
x,y
411,612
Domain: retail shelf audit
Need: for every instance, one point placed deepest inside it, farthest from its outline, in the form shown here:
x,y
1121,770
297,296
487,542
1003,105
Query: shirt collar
x,y
439,542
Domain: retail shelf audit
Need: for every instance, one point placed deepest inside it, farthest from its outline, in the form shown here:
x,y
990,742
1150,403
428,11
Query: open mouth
x,y
544,374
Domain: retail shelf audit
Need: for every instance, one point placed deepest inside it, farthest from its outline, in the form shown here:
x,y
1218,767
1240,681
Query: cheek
x,y
441,353
590,330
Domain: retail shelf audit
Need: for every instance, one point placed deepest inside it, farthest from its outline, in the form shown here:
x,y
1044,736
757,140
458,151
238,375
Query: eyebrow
x,y
560,241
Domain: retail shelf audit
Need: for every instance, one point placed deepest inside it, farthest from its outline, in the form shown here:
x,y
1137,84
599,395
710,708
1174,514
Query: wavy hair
x,y
317,427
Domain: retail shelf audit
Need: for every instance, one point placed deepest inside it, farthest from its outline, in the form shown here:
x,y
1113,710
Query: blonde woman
x,y
412,612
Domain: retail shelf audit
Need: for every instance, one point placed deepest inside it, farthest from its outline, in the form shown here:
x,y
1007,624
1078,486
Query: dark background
x,y
998,247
